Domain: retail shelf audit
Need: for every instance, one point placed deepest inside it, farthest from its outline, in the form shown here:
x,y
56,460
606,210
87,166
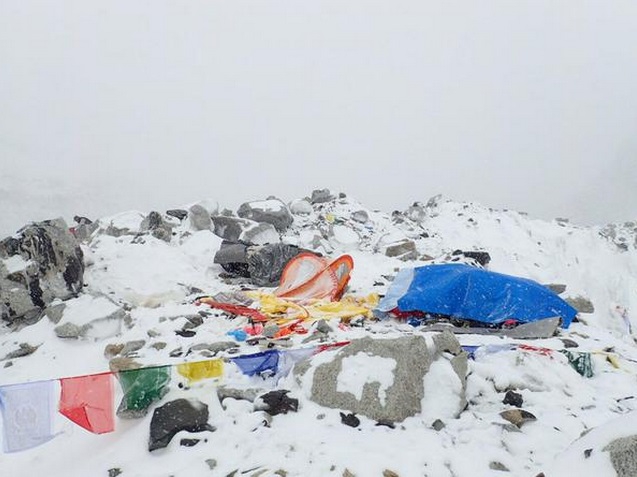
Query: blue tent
x,y
466,292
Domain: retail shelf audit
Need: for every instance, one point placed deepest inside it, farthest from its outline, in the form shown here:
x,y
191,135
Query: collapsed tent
x,y
470,293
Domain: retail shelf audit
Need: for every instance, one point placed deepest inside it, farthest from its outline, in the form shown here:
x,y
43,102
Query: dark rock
x,y
350,419
230,228
179,415
158,228
179,214
278,402
25,349
360,216
320,196
389,473
513,398
114,472
483,258
185,333
189,442
623,455
569,343
200,218
438,425
587,453
43,262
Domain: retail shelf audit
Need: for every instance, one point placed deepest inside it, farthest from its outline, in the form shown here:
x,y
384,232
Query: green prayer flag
x,y
141,388
580,362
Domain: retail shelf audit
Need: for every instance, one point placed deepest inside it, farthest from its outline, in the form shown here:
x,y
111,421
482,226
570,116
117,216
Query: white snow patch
x,y
363,368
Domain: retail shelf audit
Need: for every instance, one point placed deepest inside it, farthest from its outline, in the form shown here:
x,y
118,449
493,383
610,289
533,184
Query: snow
x,y
156,282
16,263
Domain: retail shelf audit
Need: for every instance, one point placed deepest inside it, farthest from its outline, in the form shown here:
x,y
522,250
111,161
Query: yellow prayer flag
x,y
198,370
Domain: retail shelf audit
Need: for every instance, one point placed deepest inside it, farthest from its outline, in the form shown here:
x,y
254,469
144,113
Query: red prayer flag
x,y
88,402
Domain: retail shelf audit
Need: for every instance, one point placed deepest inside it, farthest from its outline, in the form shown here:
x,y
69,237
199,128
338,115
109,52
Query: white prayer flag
x,y
27,415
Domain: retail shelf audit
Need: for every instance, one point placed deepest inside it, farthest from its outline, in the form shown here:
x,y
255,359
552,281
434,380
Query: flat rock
x,y
272,211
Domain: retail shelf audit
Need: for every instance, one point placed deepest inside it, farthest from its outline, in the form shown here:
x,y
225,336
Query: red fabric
x,y
88,402
241,310
325,347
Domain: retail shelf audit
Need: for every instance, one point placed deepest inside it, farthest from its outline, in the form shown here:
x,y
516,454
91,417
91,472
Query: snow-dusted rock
x,y
301,207
271,211
260,234
320,196
384,379
231,228
199,217
39,264
90,317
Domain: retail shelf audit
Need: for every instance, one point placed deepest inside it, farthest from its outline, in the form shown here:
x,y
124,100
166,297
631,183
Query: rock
x,y
114,472
347,473
438,425
179,415
266,262
350,419
320,196
212,463
569,343
224,392
556,288
481,257
323,327
301,207
494,465
518,417
123,364
271,211
360,216
389,473
260,234
513,398
405,250
199,218
69,330
623,455
43,262
277,402
25,349
391,373
111,350
158,228
179,214
344,237
131,346
230,228
416,212
581,304
55,312
214,348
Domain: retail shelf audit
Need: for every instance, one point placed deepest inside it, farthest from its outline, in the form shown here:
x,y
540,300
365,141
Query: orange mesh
x,y
308,276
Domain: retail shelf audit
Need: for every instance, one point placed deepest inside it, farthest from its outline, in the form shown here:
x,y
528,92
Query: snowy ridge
x,y
154,282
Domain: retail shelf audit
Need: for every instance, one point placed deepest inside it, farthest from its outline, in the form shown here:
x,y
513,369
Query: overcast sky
x,y
115,105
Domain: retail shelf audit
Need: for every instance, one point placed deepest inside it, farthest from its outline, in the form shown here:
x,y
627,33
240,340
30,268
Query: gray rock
x,y
581,304
55,312
405,250
200,218
556,287
495,465
25,349
83,231
41,263
301,207
69,330
403,397
518,417
230,228
261,234
360,216
157,226
320,196
250,394
416,212
132,346
438,425
271,211
623,456
189,415
123,364
213,347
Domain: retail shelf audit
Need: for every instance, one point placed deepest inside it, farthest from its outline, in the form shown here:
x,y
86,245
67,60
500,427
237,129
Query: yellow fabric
x,y
199,370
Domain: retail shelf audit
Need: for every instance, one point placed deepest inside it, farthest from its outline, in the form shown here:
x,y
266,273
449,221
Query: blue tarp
x,y
466,292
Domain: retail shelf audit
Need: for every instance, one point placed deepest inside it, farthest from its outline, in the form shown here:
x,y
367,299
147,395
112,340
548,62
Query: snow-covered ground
x,y
157,282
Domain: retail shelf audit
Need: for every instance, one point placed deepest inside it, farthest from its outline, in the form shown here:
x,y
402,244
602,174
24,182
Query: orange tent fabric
x,y
308,276
88,402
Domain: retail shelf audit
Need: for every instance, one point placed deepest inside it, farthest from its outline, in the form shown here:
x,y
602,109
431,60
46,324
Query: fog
x,y
118,105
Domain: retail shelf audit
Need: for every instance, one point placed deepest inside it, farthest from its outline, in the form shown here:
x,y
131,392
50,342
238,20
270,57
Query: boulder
x,y
230,228
301,207
384,379
260,234
623,456
405,250
179,214
90,316
271,211
360,216
41,263
179,415
157,226
581,304
320,196
199,218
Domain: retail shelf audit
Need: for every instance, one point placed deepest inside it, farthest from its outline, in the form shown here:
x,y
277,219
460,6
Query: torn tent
x,y
468,293
308,276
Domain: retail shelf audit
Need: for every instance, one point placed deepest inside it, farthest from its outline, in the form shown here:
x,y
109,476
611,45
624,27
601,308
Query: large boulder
x,y
231,228
389,379
199,217
188,415
42,262
271,211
